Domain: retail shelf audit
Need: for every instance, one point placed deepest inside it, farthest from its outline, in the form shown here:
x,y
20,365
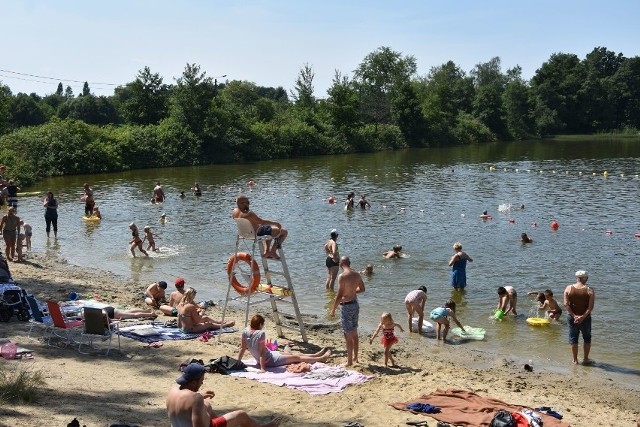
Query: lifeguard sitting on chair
x,y
263,227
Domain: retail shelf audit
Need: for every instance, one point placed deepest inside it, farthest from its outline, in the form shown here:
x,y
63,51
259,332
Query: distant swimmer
x,y
89,201
197,191
395,253
163,218
485,216
182,195
525,239
350,202
250,184
96,212
368,271
158,193
363,203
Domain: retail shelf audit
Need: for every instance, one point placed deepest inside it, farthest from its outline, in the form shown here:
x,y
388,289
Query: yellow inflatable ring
x,y
255,281
538,321
91,218
275,290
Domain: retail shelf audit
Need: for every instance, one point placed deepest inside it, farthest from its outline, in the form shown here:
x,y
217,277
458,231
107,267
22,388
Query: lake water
x,y
424,200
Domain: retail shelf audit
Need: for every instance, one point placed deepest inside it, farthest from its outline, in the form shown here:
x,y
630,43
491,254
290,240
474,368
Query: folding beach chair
x,y
62,328
38,318
97,326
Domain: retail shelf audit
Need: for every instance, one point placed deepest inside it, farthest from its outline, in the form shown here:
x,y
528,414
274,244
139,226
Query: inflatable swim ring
x,y
275,290
29,193
538,321
255,273
91,218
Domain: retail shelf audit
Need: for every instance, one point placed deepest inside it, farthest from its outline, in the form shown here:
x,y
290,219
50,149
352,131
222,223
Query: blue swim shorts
x,y
264,230
349,316
574,330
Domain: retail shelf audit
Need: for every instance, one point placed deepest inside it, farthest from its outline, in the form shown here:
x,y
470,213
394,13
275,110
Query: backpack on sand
x,y
502,419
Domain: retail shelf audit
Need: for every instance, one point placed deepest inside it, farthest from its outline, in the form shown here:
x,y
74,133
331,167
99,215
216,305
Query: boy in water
x,y
395,253
96,212
551,305
149,237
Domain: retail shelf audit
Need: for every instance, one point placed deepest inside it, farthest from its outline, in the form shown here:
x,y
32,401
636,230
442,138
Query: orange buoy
x,y
636,235
555,225
255,273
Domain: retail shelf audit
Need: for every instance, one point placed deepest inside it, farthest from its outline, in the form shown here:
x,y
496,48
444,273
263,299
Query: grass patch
x,y
20,385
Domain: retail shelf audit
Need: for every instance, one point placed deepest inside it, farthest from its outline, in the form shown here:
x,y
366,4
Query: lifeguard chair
x,y
245,278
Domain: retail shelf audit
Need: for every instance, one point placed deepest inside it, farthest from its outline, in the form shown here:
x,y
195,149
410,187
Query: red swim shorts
x,y
218,422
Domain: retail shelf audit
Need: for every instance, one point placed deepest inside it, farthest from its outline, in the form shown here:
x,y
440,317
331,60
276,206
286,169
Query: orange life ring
x,y
255,281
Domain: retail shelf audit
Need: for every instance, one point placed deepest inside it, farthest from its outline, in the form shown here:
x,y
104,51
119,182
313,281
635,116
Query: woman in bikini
x,y
333,258
10,226
136,241
190,318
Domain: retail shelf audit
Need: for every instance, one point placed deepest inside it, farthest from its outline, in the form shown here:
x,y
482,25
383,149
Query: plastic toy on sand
x,y
469,333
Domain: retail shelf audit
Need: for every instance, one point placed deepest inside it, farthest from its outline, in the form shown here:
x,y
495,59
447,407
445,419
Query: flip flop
x,y
421,423
156,344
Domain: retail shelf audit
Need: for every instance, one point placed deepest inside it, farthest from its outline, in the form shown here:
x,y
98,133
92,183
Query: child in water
x,y
441,315
28,232
149,237
96,212
136,241
551,305
387,326
368,271
525,239
395,253
163,218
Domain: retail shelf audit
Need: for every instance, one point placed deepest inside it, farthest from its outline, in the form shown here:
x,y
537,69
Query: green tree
x,y
95,110
303,89
60,89
145,100
625,94
68,92
556,84
191,98
343,104
516,105
85,89
377,77
5,104
407,114
487,103
24,110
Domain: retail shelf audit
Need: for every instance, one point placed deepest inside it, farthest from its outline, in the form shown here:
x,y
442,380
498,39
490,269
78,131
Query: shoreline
x,y
132,386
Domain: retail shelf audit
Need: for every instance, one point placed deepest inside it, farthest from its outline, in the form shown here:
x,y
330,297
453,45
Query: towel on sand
x,y
465,408
323,379
160,333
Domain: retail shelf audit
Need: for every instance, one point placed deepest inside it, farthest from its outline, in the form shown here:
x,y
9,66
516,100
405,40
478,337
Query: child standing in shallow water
x,y
149,237
387,326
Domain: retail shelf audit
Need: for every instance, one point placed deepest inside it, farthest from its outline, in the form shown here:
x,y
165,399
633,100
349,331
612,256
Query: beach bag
x,y
225,364
502,419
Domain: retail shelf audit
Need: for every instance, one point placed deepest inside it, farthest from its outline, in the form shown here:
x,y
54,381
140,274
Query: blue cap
x,y
192,372
162,284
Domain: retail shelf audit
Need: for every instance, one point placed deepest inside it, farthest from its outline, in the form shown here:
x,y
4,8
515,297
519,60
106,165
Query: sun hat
x,y
162,284
582,273
179,282
192,372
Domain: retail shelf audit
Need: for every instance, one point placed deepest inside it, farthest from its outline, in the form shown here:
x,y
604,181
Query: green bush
x,y
20,384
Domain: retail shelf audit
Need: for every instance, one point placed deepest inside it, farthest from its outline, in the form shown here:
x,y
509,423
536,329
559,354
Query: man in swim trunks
x,y
350,284
158,193
154,295
263,227
89,201
578,300
186,407
170,308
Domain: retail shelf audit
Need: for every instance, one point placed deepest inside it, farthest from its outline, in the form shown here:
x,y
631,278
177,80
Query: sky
x,y
268,42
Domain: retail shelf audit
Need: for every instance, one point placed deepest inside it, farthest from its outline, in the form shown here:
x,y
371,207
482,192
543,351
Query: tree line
x,y
382,105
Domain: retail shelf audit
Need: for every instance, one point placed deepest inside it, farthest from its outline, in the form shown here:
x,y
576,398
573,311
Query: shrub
x,y
20,384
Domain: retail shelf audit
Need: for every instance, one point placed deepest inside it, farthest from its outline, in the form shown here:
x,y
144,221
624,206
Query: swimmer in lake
x,y
525,239
395,253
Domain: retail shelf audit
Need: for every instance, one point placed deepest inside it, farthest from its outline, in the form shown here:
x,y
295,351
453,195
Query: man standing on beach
x,y
579,299
349,285
263,227
187,408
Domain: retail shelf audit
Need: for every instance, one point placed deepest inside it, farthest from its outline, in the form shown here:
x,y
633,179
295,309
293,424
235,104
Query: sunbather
x,y
133,313
190,318
254,340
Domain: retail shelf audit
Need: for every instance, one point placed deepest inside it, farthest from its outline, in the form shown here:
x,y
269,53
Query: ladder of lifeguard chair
x,y
294,301
273,299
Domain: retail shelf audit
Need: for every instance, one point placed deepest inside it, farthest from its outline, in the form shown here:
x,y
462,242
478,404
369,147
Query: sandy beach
x,y
130,386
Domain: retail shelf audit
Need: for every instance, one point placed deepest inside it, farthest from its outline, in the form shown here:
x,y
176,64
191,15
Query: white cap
x,y
334,231
582,273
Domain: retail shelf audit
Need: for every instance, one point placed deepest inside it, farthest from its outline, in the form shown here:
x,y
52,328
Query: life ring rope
x,y
255,273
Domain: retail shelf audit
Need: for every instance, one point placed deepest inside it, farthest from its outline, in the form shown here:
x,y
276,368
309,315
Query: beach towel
x,y
465,408
153,333
323,379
